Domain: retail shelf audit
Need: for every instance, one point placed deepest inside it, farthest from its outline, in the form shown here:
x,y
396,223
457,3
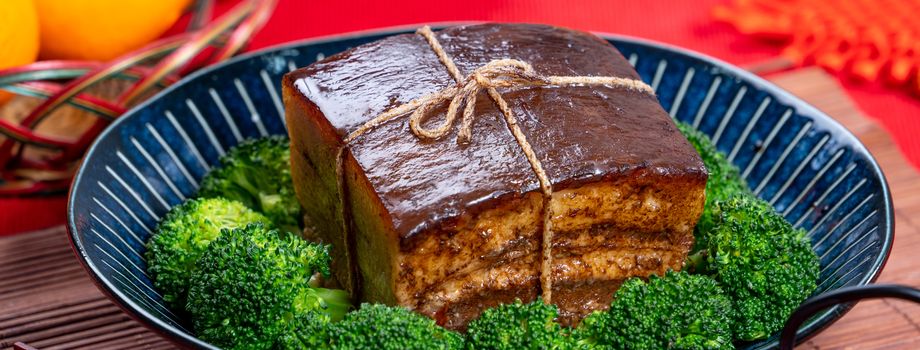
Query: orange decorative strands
x,y
869,40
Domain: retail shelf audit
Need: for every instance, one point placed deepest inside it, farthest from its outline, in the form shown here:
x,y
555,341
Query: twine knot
x,y
495,74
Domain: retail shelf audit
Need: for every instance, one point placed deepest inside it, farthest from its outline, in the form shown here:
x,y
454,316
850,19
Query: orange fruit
x,y
101,30
18,35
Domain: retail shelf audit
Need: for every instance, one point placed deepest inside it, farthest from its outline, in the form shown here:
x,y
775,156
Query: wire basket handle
x,y
203,44
787,338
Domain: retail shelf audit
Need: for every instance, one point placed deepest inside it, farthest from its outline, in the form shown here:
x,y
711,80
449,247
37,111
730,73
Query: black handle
x,y
839,296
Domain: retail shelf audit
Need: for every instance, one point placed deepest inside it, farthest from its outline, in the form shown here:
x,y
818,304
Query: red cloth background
x,y
684,23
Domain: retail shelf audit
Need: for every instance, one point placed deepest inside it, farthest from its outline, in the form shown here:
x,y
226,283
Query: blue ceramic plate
x,y
807,165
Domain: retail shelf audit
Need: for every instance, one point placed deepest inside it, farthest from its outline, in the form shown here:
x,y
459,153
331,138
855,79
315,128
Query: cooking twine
x,y
500,73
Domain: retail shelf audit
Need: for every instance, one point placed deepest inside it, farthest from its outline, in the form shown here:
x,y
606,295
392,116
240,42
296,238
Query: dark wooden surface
x,y
48,302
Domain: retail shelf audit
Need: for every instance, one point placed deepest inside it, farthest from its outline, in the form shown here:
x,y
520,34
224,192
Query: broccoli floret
x,y
724,177
307,331
377,326
252,282
677,311
766,266
258,174
518,326
181,237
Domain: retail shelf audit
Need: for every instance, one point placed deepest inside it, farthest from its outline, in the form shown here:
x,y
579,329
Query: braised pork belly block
x,y
450,229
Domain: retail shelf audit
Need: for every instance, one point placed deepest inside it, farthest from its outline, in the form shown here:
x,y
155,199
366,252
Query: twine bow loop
x,y
502,73
495,74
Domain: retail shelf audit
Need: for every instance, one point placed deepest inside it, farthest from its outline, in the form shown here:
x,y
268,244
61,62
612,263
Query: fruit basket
x,y
62,106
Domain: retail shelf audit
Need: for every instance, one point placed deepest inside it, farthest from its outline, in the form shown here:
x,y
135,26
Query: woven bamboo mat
x,y
48,302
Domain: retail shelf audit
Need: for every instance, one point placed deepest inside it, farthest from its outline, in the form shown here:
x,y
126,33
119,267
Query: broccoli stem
x,y
698,263
336,302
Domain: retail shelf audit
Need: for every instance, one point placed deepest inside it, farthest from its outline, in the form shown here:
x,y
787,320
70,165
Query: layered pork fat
x,y
449,230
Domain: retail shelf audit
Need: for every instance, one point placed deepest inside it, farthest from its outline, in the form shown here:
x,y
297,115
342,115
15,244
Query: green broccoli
x,y
766,266
377,326
181,237
724,177
252,282
307,331
677,311
518,326
258,174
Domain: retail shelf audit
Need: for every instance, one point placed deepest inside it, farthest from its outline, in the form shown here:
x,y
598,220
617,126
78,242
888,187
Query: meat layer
x,y
603,233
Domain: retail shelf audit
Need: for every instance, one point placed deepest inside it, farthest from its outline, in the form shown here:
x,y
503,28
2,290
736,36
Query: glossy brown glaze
x,y
448,230
581,134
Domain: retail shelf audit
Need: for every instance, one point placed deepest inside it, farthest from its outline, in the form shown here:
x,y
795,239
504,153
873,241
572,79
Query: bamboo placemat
x,y
48,302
